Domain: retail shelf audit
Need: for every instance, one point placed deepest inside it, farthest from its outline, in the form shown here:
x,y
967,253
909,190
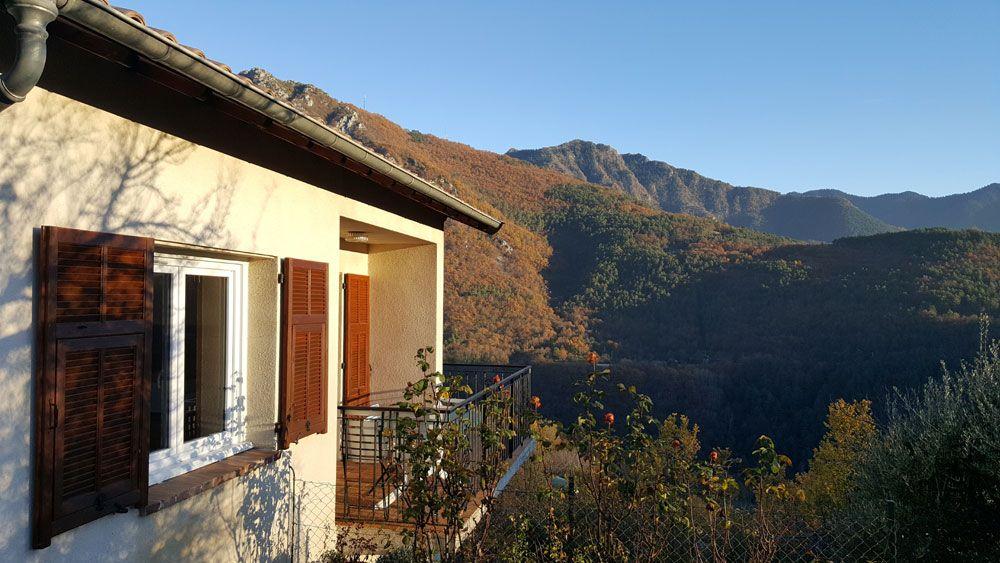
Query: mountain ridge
x,y
978,208
830,214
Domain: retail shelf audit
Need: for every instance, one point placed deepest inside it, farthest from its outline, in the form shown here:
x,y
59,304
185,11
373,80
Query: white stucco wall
x,y
402,279
66,164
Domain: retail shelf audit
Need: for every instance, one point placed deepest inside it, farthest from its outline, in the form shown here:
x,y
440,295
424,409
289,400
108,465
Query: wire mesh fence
x,y
313,519
524,527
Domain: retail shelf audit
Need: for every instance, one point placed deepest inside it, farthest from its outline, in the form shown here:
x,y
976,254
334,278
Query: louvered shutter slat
x,y
303,401
93,380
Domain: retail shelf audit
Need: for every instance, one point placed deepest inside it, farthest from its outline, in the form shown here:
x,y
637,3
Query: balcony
x,y
364,493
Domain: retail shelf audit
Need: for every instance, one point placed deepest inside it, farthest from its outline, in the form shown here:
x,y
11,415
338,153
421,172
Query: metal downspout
x,y
31,17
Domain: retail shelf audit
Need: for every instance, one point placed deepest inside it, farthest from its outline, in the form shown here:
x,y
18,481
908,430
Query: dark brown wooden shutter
x,y
304,325
357,340
92,385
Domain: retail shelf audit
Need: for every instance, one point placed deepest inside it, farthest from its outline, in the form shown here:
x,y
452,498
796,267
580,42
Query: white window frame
x,y
181,457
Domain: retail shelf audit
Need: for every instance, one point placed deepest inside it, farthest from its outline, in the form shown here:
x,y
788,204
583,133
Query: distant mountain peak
x,y
637,157
589,161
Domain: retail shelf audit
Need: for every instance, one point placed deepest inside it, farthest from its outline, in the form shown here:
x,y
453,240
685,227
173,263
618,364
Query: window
x,y
198,395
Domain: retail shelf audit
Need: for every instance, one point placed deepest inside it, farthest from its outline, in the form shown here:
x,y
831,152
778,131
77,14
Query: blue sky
x,y
868,97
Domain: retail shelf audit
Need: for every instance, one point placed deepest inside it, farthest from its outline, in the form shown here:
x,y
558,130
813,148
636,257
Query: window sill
x,y
172,491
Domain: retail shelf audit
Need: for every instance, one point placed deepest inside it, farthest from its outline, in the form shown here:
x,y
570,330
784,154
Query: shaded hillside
x,y
611,253
822,215
855,300
675,287
820,218
979,209
761,343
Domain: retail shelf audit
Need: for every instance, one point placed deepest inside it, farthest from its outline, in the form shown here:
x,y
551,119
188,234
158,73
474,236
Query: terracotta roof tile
x,y
166,35
228,68
196,51
141,20
131,14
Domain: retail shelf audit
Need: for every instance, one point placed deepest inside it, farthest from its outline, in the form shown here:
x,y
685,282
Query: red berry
x,y
609,418
677,444
714,456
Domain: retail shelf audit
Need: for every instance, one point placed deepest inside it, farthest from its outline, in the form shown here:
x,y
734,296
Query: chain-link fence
x,y
313,517
320,530
527,526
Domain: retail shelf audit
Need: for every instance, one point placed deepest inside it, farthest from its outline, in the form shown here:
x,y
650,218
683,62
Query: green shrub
x,y
935,474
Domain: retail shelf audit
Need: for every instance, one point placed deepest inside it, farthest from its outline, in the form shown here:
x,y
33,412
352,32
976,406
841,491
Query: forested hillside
x,y
752,335
748,332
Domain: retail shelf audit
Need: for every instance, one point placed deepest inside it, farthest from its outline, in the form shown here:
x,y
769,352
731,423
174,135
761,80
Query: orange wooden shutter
x,y
357,340
304,318
92,385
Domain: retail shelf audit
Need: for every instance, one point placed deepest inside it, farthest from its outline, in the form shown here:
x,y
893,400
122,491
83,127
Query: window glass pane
x,y
159,414
205,355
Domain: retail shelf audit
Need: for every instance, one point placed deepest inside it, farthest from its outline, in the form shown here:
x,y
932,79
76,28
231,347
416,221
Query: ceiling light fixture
x,y
356,236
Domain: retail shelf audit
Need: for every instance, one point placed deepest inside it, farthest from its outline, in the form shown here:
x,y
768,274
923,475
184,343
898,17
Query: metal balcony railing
x,y
368,438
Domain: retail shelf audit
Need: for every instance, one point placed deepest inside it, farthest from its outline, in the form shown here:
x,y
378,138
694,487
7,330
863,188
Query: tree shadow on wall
x,y
246,519
66,164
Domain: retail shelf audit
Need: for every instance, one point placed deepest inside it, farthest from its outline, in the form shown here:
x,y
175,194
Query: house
x,y
196,279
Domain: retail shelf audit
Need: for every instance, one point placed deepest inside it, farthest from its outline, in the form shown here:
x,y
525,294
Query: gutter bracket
x,y
31,17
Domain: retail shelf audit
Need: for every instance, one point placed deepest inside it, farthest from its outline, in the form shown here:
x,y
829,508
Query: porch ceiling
x,y
378,235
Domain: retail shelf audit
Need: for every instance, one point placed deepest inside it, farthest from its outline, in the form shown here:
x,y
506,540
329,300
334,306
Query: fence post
x,y
570,495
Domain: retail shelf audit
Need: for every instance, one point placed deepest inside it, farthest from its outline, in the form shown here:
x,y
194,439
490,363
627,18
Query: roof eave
x,y
101,19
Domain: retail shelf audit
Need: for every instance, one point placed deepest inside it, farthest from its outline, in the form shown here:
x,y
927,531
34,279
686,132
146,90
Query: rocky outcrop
x,y
591,162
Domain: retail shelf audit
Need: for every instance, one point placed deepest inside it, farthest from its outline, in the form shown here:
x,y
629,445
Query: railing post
x,y
344,457
343,436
